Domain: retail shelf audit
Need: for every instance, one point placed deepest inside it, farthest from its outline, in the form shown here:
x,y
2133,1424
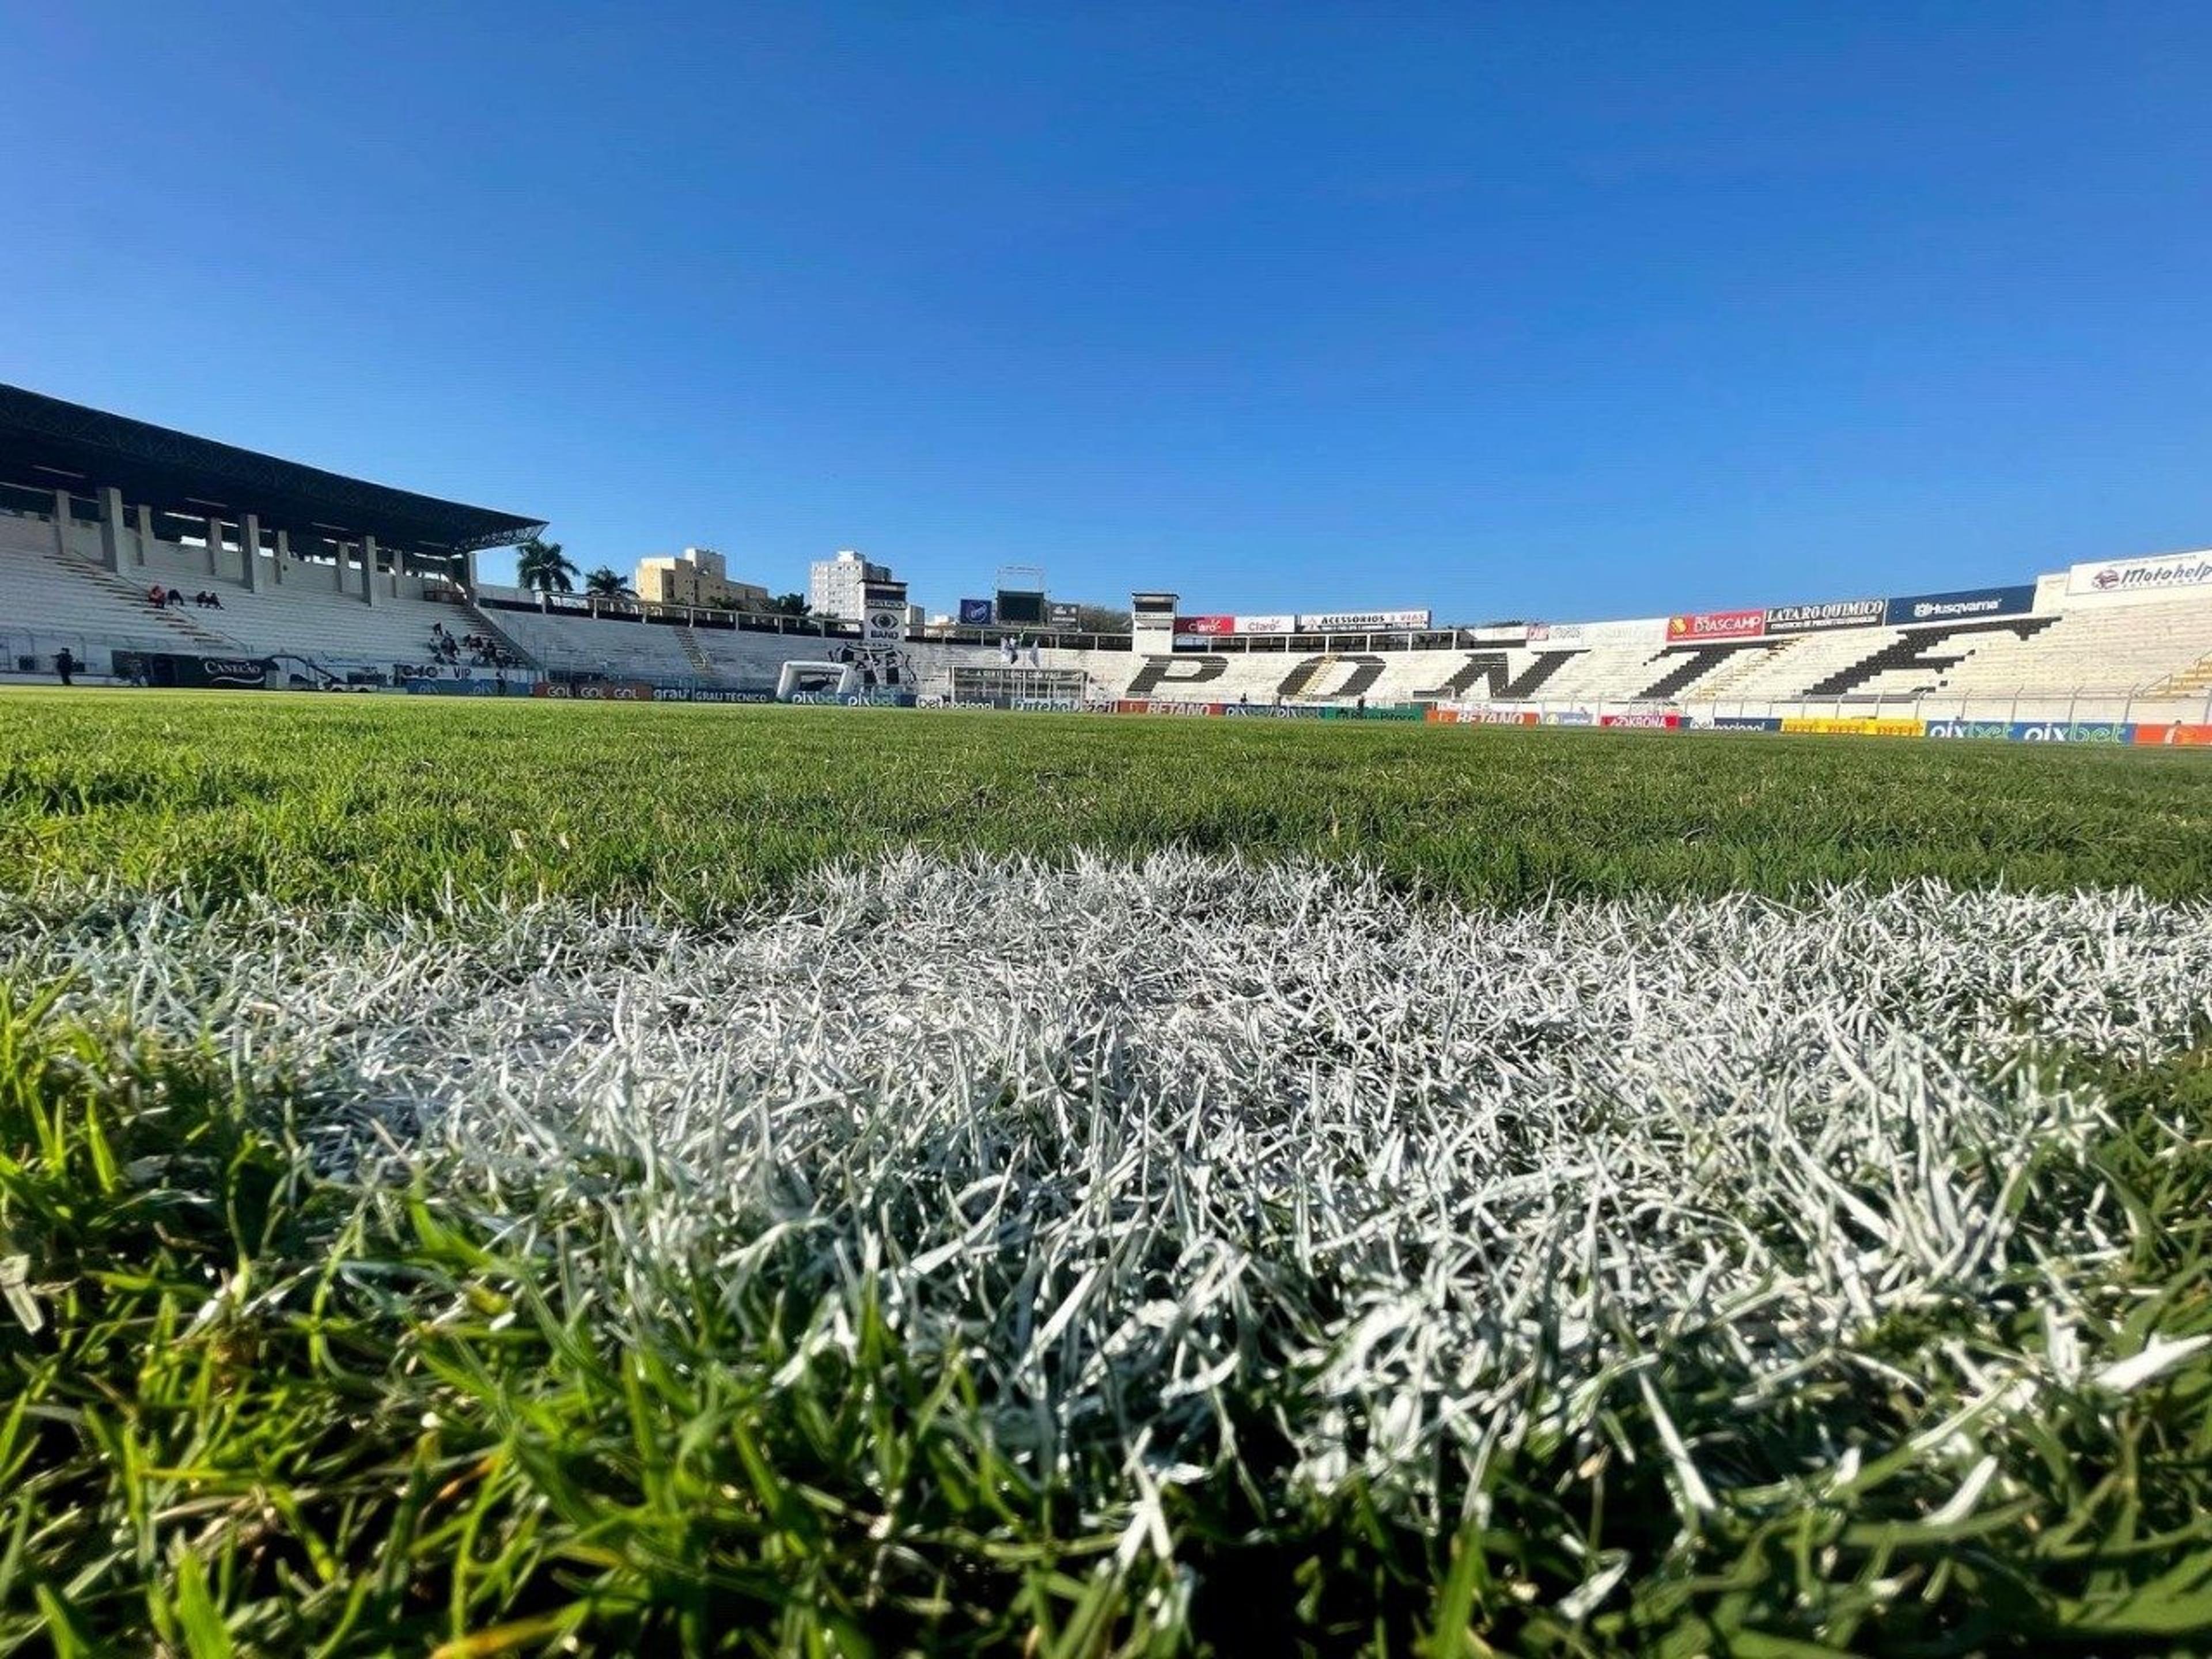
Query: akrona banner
x,y
1654,722
1816,618
1359,621
1698,625
2167,573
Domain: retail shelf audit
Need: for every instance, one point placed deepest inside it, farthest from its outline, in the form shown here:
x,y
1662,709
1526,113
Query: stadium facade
x,y
321,580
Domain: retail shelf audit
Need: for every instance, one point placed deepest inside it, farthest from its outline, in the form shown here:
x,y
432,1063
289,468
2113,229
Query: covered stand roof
x,y
68,446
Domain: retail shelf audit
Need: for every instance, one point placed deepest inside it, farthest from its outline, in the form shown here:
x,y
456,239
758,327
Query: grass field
x,y
488,1178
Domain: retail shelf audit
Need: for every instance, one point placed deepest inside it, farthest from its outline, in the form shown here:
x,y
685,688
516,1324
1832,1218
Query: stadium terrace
x,y
308,578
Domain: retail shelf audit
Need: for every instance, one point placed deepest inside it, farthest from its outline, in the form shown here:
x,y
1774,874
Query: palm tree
x,y
542,565
605,584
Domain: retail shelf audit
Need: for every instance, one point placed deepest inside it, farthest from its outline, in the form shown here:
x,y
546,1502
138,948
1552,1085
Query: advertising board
x,y
1969,728
1156,706
1744,723
1280,624
977,613
2181,736
1205,625
2164,573
1652,722
1817,619
1498,634
613,692
2070,732
1359,621
181,668
1063,613
1858,728
1963,605
1275,711
1480,715
1697,625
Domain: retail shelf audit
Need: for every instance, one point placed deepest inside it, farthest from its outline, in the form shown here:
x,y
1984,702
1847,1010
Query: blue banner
x,y
977,613
1745,723
1969,728
1968,604
2071,732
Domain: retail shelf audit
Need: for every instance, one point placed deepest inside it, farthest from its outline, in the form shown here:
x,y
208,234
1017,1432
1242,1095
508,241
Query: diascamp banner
x,y
1696,625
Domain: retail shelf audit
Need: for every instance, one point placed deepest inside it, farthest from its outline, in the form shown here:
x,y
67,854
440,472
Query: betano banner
x,y
1816,618
1716,625
1480,715
2167,573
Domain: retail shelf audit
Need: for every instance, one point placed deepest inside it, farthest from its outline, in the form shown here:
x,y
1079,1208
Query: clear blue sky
x,y
1545,310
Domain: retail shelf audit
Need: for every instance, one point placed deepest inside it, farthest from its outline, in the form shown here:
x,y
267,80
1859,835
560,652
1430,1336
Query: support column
x,y
368,570
214,543
111,529
145,531
469,571
249,541
283,552
61,522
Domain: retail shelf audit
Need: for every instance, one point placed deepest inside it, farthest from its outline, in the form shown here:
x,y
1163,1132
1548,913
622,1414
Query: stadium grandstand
x,y
275,573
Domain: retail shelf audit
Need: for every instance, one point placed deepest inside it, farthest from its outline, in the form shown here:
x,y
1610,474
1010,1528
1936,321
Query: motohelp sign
x,y
2170,573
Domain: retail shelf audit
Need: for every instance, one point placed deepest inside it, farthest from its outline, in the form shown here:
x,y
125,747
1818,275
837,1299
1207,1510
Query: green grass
x,y
270,1412
387,800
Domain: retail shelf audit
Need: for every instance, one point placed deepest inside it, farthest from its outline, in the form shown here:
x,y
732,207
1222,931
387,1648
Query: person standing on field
x,y
64,665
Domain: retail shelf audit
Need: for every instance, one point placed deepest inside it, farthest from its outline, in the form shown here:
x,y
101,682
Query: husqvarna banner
x,y
1964,605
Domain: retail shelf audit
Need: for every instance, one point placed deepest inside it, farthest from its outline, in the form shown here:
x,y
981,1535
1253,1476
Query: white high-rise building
x,y
834,586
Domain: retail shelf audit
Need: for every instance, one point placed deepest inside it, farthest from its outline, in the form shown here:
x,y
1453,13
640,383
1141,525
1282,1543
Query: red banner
x,y
1450,716
1716,625
1160,706
1206,624
2189,737
1656,722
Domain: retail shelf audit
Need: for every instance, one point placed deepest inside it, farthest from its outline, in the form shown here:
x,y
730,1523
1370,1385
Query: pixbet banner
x,y
1698,625
2167,573
2071,732
1963,605
1359,621
1969,728
1817,618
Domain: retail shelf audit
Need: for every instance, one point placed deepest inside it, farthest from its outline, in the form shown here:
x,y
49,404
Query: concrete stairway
x,y
698,658
193,634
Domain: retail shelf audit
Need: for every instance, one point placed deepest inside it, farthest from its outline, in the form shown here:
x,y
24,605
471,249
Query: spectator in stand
x,y
177,597
64,665
157,595
215,600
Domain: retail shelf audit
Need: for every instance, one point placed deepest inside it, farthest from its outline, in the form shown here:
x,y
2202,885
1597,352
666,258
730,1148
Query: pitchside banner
x,y
2190,737
167,668
1816,618
1698,625
1860,728
2167,573
1962,606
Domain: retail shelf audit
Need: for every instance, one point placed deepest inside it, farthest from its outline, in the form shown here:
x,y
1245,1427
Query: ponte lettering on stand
x,y
1158,672
1493,672
1366,670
